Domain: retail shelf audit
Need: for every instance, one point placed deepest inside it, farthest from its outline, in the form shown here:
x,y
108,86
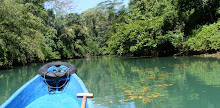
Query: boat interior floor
x,y
57,100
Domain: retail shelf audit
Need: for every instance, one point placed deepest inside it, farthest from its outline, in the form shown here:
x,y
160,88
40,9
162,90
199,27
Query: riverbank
x,y
214,55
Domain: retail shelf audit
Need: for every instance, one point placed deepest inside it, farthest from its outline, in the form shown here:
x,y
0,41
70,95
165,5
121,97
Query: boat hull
x,y
35,94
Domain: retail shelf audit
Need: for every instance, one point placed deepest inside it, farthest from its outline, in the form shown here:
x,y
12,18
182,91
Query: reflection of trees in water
x,y
13,79
193,82
206,71
205,75
112,79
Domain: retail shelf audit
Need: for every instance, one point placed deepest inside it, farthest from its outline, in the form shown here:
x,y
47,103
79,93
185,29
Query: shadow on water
x,y
137,82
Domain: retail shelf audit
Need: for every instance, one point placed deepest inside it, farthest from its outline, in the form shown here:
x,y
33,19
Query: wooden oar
x,y
84,96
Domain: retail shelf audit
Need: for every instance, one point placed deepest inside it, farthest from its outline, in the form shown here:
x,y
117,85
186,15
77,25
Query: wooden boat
x,y
44,92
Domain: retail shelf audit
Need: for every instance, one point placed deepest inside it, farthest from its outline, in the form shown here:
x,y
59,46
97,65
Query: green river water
x,y
165,82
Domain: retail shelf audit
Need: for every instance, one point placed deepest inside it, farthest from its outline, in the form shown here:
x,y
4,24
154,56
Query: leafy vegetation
x,y
22,33
206,38
31,33
162,28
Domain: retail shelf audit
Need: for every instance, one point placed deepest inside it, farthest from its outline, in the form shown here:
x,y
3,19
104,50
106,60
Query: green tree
x,y
198,12
205,39
72,42
147,30
98,21
22,34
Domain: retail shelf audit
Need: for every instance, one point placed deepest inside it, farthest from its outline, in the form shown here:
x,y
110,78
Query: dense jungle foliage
x,y
31,33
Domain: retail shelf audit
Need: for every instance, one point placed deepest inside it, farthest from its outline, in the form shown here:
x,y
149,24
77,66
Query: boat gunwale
x,y
22,88
19,91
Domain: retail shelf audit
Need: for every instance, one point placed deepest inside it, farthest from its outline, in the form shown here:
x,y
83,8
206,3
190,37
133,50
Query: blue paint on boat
x,y
34,94
57,100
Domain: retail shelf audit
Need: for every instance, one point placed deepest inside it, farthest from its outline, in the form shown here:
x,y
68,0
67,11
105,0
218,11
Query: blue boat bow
x,y
34,94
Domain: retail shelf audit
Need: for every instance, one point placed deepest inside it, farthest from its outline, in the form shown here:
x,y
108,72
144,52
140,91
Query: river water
x,y
165,82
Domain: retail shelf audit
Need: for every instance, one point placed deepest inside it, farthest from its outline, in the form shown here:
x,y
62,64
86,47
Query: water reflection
x,y
12,79
151,82
137,82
